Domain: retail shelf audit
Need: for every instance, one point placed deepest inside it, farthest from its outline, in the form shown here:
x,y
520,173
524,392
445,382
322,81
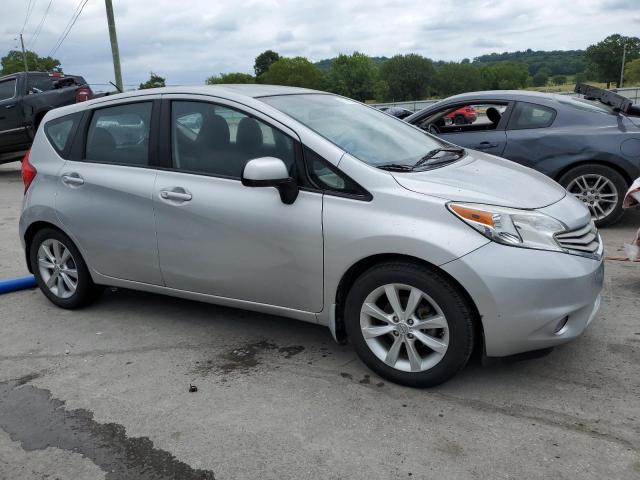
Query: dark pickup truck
x,y
25,98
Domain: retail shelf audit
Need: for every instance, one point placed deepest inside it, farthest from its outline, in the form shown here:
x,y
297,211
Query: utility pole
x,y
24,55
114,44
624,54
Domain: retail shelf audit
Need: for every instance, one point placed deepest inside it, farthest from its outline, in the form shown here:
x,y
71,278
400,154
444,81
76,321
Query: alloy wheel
x,y
404,327
57,268
597,192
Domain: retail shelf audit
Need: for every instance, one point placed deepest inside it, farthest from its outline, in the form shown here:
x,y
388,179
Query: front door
x,y
105,197
218,237
12,133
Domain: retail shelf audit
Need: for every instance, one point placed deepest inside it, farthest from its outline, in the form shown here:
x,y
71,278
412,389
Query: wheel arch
x,y
603,163
362,265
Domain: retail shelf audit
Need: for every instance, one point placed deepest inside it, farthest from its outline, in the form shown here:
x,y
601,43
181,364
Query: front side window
x,y
364,132
7,89
470,117
326,177
120,134
530,115
218,140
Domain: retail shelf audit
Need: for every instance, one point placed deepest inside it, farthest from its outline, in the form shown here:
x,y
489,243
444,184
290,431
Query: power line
x,y
70,25
36,34
30,7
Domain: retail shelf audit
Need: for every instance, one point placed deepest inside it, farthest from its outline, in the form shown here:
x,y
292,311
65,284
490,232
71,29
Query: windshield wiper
x,y
395,167
458,151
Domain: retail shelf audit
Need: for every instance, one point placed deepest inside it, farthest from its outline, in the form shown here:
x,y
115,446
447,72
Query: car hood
x,y
483,178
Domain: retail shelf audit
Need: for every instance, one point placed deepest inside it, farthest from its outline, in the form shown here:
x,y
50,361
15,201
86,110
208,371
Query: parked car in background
x,y
312,206
397,112
25,98
591,148
463,115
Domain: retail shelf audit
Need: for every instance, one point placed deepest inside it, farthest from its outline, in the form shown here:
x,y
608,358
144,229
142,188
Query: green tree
x,y
453,78
559,79
264,61
353,76
12,63
632,72
605,57
154,81
234,77
504,76
409,77
540,79
295,72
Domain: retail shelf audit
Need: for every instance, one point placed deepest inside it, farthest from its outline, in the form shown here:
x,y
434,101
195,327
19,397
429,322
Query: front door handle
x,y
177,194
72,179
10,106
485,145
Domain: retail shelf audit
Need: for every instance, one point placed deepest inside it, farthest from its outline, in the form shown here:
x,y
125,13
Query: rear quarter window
x,y
60,132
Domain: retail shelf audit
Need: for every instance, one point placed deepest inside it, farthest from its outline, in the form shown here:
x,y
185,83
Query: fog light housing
x,y
561,327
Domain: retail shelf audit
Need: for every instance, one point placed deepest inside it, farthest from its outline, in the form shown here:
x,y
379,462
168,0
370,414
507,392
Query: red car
x,y
463,115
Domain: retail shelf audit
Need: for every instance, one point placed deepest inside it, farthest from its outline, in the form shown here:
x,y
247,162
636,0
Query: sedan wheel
x,y
597,192
404,327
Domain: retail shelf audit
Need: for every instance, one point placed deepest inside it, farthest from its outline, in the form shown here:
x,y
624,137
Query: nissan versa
x,y
312,206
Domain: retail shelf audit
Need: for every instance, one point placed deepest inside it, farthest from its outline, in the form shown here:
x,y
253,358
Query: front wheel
x,y
600,188
410,324
60,270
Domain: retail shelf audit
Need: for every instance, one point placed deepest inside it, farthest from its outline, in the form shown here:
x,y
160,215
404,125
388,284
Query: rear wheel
x,y
409,324
60,270
600,188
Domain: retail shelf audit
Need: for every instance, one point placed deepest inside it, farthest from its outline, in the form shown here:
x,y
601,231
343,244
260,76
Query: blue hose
x,y
16,284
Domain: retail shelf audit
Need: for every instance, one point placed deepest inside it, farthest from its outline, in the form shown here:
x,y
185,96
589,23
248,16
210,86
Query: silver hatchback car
x,y
312,206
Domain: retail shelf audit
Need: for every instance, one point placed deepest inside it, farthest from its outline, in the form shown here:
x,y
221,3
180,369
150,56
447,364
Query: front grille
x,y
584,239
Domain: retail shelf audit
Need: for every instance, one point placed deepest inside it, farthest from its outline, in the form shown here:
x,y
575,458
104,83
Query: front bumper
x,y
524,295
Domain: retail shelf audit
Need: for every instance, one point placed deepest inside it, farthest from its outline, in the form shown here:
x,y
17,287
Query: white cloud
x,y
188,41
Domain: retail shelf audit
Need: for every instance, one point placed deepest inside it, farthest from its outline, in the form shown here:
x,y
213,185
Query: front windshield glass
x,y
366,133
586,105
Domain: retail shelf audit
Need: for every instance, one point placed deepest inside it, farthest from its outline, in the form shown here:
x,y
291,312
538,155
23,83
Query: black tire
x,y
612,175
460,316
85,292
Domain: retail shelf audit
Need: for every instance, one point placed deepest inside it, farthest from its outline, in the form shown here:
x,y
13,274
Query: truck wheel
x,y
410,324
600,188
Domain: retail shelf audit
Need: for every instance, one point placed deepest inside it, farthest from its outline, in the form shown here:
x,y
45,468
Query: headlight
x,y
511,226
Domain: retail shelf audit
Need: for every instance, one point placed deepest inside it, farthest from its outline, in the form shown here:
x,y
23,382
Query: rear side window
x,y
7,89
120,134
60,132
529,115
39,83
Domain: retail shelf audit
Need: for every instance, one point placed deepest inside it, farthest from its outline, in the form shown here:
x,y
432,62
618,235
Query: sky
x,y
188,40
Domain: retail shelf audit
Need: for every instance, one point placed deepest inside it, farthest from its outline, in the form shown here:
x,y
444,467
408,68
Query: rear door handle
x,y
485,145
72,179
177,194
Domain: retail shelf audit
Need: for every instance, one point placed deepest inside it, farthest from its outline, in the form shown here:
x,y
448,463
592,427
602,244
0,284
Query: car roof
x,y
252,90
502,95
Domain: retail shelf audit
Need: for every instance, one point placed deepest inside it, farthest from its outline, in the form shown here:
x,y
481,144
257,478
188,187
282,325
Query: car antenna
x,y
117,87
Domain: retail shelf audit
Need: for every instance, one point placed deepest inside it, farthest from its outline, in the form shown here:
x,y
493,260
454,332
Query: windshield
x,y
586,105
366,133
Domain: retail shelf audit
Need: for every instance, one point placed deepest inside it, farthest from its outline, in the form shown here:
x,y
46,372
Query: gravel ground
x,y
103,393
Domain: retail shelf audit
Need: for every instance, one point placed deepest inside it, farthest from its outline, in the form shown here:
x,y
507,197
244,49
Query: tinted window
x,y
7,89
529,115
59,131
327,177
40,83
120,134
366,133
217,140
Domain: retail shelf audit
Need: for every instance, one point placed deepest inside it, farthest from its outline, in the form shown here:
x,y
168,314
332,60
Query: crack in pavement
x,y
31,416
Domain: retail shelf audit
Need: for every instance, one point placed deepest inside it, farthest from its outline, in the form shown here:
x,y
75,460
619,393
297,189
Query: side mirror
x,y
271,172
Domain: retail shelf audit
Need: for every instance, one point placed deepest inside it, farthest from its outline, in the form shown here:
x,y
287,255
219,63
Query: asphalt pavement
x,y
104,393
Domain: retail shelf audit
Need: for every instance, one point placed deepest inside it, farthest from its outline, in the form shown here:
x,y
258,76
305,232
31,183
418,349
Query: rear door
x,y
468,125
105,194
527,131
13,134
